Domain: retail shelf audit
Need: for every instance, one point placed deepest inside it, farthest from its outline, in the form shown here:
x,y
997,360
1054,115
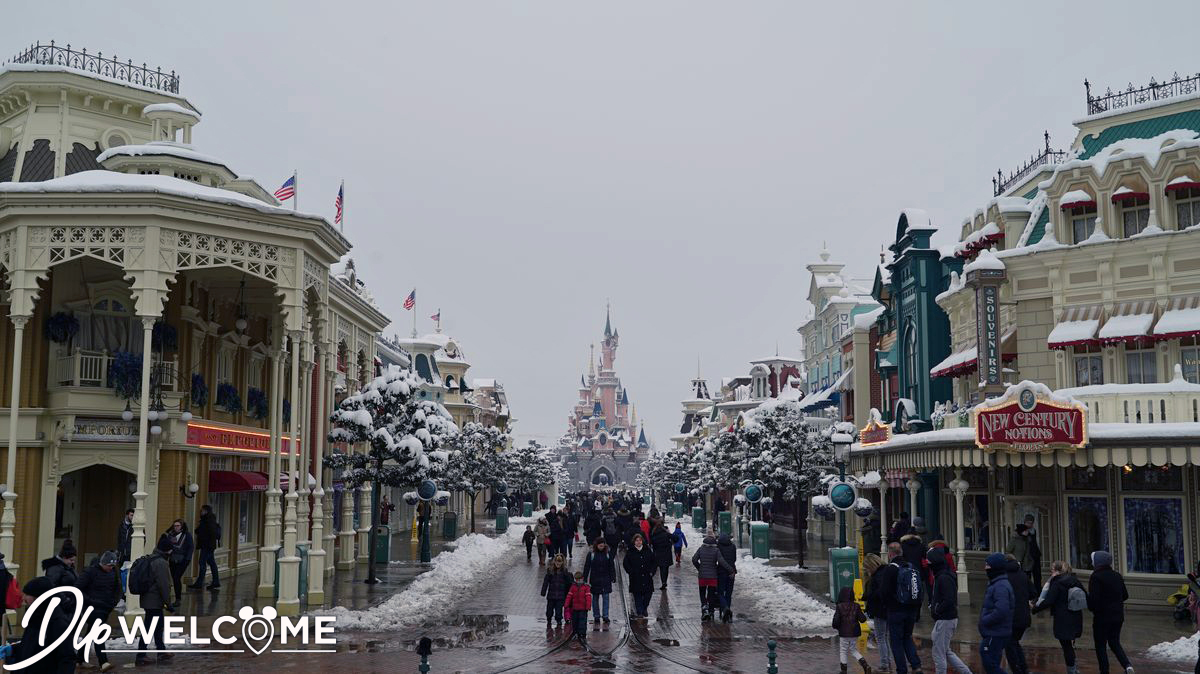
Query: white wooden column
x,y
959,486
316,554
137,548
271,528
301,412
323,424
913,485
884,526
289,563
8,520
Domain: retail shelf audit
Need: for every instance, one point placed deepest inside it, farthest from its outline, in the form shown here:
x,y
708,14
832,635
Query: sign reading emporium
x,y
1027,419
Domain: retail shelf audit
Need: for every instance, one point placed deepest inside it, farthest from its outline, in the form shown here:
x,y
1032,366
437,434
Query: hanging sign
x,y
874,433
1026,419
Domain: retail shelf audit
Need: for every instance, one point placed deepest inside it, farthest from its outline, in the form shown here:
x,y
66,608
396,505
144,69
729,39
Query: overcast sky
x,y
520,163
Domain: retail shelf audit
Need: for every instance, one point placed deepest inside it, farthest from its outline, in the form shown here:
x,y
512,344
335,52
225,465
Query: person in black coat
x,y
663,545
724,578
125,536
62,658
1023,594
1106,600
554,588
943,608
100,584
912,550
208,533
600,571
640,565
1068,624
592,528
182,547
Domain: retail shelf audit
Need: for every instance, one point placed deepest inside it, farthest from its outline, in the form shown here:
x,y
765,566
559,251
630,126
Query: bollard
x,y
771,668
424,648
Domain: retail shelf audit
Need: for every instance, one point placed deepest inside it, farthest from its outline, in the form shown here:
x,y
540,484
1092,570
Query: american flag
x,y
287,190
337,203
437,316
411,300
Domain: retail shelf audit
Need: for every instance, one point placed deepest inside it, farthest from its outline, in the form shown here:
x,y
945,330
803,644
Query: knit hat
x,y
109,558
996,560
1101,558
164,546
918,521
68,549
38,586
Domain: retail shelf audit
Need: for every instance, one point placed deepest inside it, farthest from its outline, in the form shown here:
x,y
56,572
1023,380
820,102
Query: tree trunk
x,y
473,495
371,538
799,535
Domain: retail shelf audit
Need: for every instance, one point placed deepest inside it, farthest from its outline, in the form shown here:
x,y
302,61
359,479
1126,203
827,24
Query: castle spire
x,y
608,319
591,360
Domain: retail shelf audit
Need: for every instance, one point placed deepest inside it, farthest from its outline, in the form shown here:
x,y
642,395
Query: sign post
x,y
986,282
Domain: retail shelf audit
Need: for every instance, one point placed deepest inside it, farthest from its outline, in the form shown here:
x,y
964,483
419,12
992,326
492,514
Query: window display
x,y
1088,522
1151,478
1154,535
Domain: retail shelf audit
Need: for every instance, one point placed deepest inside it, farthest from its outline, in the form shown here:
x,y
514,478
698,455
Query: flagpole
x,y
342,224
295,190
414,309
439,321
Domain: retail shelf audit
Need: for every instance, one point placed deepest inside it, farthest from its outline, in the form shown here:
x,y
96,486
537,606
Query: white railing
x,y
89,369
1140,407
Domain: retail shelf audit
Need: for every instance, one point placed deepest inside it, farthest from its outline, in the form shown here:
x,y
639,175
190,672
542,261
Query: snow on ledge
x,y
986,260
48,68
170,107
158,148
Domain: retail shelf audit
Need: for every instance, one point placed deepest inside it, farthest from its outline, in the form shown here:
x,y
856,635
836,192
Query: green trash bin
x,y
698,519
676,509
646,500
450,525
725,522
527,509
501,520
843,569
382,544
302,552
760,540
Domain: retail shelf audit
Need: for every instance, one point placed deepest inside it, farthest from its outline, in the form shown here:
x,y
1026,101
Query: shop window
x,y
910,360
248,516
1189,358
1135,214
220,504
975,522
1089,366
1140,368
220,463
1083,223
1187,208
1087,520
1086,479
1154,535
1151,478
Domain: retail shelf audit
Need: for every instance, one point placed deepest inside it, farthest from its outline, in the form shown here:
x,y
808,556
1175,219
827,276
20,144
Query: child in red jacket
x,y
579,600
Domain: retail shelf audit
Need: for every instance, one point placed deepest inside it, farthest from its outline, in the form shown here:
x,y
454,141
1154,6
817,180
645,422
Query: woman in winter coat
x,y
554,588
542,534
846,618
724,578
1068,624
1017,578
1106,599
640,565
600,571
182,547
707,559
877,609
664,547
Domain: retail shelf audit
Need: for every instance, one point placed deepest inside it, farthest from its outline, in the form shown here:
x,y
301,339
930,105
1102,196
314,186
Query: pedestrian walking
x,y
600,571
100,584
901,587
708,559
1035,551
182,546
900,527
847,616
663,545
592,527
1106,600
558,532
208,539
876,609
912,548
680,542
640,565
624,522
51,631
1023,595
542,535
527,538
576,605
724,578
125,536
996,614
1018,547
554,588
943,608
154,595
1066,599
60,569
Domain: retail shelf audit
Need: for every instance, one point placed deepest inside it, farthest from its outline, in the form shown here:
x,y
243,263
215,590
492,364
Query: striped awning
x,y
1130,323
1181,319
1076,326
967,456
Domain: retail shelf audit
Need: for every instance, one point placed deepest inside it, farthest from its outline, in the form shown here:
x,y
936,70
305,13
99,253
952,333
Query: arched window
x,y
910,360
450,383
422,364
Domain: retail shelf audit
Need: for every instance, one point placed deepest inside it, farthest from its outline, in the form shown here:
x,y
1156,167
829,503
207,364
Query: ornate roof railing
x,y
1155,91
105,66
1000,184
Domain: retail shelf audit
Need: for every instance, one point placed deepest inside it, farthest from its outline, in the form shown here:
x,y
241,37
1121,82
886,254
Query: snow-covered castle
x,y
603,444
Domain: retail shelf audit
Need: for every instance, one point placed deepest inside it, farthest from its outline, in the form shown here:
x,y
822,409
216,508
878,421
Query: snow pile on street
x,y
436,593
1182,649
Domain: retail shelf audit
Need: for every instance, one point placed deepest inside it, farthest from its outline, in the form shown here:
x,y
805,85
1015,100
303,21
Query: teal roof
x,y
1039,228
1030,194
1147,128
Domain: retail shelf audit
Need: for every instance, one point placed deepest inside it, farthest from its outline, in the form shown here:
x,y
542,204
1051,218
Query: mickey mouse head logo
x,y
258,629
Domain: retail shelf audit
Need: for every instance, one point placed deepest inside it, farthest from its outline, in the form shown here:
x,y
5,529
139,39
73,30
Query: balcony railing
x,y
1155,91
89,369
105,66
1140,408
1000,184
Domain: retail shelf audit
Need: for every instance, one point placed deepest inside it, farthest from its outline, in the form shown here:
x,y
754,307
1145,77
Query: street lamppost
x,y
842,494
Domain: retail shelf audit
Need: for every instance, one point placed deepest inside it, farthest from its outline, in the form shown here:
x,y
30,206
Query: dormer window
x,y
1083,222
1187,207
1135,214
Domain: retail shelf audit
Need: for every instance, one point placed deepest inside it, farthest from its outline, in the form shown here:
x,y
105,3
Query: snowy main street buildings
x,y
173,335
603,444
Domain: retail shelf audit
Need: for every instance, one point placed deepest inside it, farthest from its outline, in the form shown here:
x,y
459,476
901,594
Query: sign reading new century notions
x,y
1026,419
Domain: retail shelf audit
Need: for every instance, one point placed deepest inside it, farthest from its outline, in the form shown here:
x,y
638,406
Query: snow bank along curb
x,y
777,600
1182,649
436,593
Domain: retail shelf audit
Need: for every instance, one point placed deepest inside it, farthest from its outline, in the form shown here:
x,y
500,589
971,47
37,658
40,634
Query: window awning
x,y
1077,326
1184,182
827,396
1077,199
232,481
967,361
1129,323
846,381
1181,319
1123,194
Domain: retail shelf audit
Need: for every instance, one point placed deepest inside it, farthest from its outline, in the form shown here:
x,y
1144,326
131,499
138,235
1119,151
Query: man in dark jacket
x,y
60,569
155,599
592,527
125,536
664,547
101,588
557,532
1106,601
724,578
53,623
996,614
1023,594
943,607
208,532
708,560
912,548
901,618
625,528
1035,552
600,571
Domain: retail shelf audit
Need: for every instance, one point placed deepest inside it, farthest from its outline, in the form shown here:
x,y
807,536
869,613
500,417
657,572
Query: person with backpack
x,y
663,544
43,631
1024,594
600,571
1106,599
1066,599
876,610
150,579
912,549
208,537
996,614
943,608
576,605
592,527
900,586
725,578
680,542
101,587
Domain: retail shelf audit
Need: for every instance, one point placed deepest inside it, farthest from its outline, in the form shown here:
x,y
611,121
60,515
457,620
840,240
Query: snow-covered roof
x,y
1181,318
100,181
986,260
160,148
1076,197
1069,332
864,321
917,219
1133,322
1177,385
170,107
48,68
1150,149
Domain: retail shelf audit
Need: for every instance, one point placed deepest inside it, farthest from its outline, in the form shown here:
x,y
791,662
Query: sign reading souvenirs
x,y
874,433
218,437
987,324
1026,419
88,429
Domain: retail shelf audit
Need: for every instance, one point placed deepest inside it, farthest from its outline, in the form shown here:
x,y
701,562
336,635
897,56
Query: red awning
x,y
1182,183
1129,196
229,481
